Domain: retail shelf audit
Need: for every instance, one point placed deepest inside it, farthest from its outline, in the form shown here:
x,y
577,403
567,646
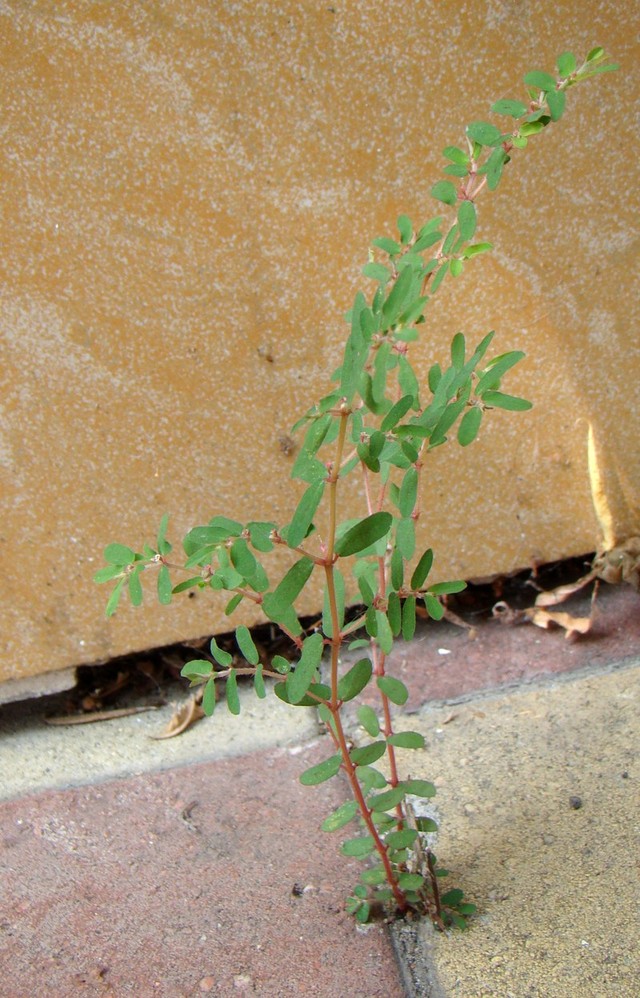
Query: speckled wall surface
x,y
189,191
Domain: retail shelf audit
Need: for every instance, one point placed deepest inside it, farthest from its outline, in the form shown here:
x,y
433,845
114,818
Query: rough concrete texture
x,y
189,193
540,816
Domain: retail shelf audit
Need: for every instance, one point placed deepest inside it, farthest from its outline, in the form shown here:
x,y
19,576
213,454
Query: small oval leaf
x,y
323,771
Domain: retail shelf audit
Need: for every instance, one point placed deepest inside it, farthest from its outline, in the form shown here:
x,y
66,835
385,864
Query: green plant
x,y
381,423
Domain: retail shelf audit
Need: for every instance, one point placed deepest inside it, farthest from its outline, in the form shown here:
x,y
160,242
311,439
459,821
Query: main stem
x,y
336,704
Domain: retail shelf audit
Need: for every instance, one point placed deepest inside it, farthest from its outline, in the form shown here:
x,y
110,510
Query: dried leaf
x,y
559,595
545,618
183,717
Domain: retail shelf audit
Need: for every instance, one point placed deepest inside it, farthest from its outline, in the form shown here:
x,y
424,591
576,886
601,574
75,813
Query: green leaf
x,y
469,426
398,297
540,81
566,64
476,248
392,688
595,54
233,700
367,754
316,693
209,697
440,276
429,825
445,588
467,220
260,535
108,573
406,537
307,467
530,128
451,238
402,839
374,875
452,897
434,607
422,569
232,604
396,412
164,585
385,801
406,739
299,681
363,534
609,68
221,656
119,554
408,381
444,191
405,229
370,778
456,155
135,587
114,598
163,545
340,817
556,100
410,881
427,239
456,267
510,402
389,246
376,272
258,683
355,680
323,771
408,494
304,514
279,603
359,847
419,788
369,720
409,618
242,558
512,108
497,369
484,133
453,170
495,166
246,645
458,350
394,612
197,670
384,634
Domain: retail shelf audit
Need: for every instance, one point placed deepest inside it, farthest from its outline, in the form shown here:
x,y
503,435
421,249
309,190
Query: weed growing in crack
x,y
378,424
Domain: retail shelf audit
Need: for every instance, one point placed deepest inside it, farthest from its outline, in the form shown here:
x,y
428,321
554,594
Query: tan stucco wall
x,y
190,188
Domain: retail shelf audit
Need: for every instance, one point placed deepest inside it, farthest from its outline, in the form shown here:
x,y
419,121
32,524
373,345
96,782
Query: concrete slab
x,y
540,817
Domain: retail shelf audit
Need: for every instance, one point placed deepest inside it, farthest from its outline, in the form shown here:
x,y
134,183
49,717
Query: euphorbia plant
x,y
379,424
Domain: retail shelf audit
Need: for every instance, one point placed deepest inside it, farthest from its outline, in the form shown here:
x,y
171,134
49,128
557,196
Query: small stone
x,y
575,803
207,984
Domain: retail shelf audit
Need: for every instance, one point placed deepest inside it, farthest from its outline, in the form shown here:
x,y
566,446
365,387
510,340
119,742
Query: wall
x,y
190,189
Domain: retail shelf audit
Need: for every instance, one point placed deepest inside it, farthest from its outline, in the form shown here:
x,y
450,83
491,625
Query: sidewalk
x,y
195,865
